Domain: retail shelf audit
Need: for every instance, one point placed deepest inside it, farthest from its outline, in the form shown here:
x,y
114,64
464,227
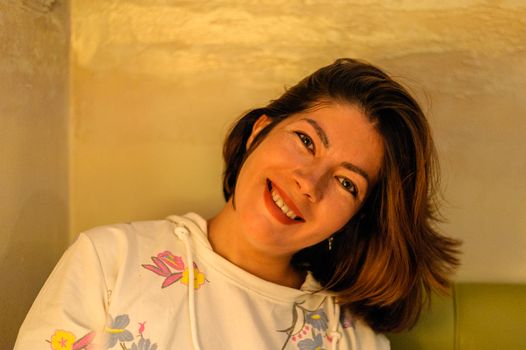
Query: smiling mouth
x,y
280,203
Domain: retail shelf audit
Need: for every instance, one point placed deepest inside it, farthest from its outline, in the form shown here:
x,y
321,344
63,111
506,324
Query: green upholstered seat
x,y
477,316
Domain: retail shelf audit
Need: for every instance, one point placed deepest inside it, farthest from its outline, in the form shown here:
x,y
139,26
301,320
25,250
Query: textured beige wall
x,y
155,87
34,37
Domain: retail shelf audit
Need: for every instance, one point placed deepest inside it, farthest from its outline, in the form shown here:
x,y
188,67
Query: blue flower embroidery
x,y
315,343
144,344
117,330
317,319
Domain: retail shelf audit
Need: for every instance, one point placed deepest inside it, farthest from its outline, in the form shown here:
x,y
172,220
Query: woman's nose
x,y
310,182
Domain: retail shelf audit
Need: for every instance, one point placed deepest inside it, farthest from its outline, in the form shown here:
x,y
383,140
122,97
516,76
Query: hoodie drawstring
x,y
183,234
334,322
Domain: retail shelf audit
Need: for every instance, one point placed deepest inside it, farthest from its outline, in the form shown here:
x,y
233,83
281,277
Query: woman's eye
x,y
348,185
307,141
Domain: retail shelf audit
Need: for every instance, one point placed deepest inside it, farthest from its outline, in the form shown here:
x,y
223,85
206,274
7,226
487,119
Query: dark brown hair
x,y
389,258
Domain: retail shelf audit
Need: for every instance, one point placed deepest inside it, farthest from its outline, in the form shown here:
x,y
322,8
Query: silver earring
x,y
330,239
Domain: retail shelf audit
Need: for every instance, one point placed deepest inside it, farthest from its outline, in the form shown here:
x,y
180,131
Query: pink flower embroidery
x,y
141,327
165,261
174,261
84,343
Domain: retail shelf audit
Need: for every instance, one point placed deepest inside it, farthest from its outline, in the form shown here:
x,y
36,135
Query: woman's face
x,y
307,178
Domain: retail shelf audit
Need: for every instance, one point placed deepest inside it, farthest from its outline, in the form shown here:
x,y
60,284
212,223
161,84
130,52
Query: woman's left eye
x,y
306,140
348,185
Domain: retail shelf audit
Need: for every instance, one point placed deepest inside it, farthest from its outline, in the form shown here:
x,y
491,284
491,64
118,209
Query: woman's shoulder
x,y
118,239
364,336
147,231
369,339
128,230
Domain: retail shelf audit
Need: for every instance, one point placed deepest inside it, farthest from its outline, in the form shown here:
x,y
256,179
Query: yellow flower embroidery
x,y
62,340
199,278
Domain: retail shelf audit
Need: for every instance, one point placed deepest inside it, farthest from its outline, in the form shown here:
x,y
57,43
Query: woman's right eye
x,y
306,140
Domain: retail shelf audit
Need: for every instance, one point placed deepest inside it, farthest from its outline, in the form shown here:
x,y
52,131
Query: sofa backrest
x,y
476,316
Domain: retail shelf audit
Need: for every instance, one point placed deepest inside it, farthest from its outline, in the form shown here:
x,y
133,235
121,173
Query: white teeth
x,y
281,204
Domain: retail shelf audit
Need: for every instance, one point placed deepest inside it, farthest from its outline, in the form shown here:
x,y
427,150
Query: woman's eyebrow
x,y
321,134
325,140
357,170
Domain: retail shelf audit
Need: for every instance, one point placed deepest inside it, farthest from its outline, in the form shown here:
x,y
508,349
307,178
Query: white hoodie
x,y
126,287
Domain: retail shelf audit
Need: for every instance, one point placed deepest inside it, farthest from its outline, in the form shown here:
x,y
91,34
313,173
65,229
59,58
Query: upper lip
x,y
288,201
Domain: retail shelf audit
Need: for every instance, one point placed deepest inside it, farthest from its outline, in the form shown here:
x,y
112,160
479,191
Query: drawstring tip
x,y
334,338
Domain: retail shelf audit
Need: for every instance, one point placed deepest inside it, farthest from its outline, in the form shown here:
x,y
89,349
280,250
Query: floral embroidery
x,y
199,277
315,343
144,344
84,343
308,329
62,340
65,340
166,260
117,331
174,261
317,319
141,328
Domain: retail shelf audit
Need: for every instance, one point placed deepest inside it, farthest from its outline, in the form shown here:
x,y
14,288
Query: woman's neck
x,y
228,241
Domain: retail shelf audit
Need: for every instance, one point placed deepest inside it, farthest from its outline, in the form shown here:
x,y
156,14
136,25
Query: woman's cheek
x,y
344,209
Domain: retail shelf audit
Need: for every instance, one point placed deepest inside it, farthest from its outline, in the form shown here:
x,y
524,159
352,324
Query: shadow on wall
x,y
32,249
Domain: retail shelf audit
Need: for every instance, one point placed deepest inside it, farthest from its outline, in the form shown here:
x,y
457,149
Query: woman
x,y
326,239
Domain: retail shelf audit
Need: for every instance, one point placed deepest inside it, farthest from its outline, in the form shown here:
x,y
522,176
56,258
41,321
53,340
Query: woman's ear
x,y
259,125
